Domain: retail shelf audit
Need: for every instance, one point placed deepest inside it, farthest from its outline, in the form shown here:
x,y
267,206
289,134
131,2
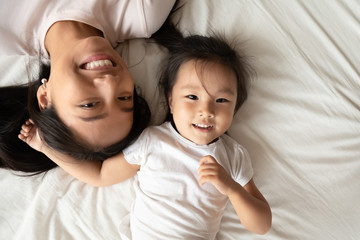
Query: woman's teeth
x,y
98,63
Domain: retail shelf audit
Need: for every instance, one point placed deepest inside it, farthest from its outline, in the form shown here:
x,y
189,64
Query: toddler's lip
x,y
203,126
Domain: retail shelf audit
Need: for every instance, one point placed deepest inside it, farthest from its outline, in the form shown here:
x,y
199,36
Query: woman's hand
x,y
29,133
211,171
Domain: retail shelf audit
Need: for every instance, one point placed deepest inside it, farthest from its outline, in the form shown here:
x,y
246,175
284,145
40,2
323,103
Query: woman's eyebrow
x,y
104,115
94,118
130,109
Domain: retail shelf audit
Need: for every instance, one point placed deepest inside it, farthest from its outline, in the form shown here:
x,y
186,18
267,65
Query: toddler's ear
x,y
170,103
42,98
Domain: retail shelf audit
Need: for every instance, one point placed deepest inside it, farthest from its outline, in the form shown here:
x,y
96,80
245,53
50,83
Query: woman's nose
x,y
106,83
107,80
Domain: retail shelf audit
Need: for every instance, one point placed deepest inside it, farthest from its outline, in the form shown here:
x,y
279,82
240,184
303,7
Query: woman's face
x,y
92,91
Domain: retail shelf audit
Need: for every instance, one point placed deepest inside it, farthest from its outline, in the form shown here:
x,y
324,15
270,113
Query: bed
x,y
300,124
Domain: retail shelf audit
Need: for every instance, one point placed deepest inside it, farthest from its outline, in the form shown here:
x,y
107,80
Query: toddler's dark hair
x,y
204,49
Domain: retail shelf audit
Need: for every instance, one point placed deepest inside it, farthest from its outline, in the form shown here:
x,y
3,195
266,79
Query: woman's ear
x,y
42,97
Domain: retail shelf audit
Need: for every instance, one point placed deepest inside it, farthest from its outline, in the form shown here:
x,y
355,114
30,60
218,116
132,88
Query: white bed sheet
x,y
301,125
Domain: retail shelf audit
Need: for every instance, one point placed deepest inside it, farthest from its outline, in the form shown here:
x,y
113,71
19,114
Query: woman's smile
x,y
98,62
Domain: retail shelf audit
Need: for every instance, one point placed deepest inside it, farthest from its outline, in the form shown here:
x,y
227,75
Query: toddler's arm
x,y
96,173
250,205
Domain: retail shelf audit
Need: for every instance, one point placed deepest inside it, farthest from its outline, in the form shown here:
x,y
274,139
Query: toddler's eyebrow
x,y
189,86
222,89
227,91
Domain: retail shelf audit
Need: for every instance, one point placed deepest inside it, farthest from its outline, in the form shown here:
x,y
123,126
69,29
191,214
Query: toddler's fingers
x,y
202,180
207,159
24,133
25,128
21,137
208,168
29,122
206,179
208,171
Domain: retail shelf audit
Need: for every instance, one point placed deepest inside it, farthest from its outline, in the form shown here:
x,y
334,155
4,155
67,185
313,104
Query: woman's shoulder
x,y
155,13
139,18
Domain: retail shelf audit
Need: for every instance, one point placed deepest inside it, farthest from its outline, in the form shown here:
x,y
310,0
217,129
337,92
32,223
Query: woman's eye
x,y
192,97
222,100
88,105
125,98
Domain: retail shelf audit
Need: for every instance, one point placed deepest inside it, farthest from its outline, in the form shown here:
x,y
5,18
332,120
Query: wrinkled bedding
x,y
300,124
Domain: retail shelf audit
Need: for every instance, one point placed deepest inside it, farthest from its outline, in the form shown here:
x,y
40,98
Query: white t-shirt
x,y
170,203
24,24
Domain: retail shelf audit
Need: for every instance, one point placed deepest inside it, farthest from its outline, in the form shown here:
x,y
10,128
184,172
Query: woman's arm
x,y
250,205
96,173
99,174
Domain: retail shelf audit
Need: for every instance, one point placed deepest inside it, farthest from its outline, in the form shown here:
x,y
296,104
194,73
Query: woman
x,y
84,101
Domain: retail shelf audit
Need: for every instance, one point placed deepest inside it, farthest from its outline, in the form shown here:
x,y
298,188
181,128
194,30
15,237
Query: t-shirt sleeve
x,y
243,171
155,13
144,17
136,152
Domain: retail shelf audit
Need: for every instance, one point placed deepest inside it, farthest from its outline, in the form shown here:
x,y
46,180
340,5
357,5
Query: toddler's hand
x,y
29,134
211,171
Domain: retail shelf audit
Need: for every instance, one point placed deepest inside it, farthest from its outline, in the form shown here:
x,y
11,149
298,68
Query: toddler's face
x,y
203,100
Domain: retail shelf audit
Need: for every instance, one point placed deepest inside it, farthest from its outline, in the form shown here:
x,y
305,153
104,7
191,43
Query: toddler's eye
x,y
222,100
192,97
89,105
125,98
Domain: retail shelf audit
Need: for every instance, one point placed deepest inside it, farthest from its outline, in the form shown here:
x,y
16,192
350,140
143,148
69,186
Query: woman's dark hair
x,y
18,103
203,49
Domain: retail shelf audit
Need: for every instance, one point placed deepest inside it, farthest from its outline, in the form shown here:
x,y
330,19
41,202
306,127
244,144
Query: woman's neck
x,y
64,34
